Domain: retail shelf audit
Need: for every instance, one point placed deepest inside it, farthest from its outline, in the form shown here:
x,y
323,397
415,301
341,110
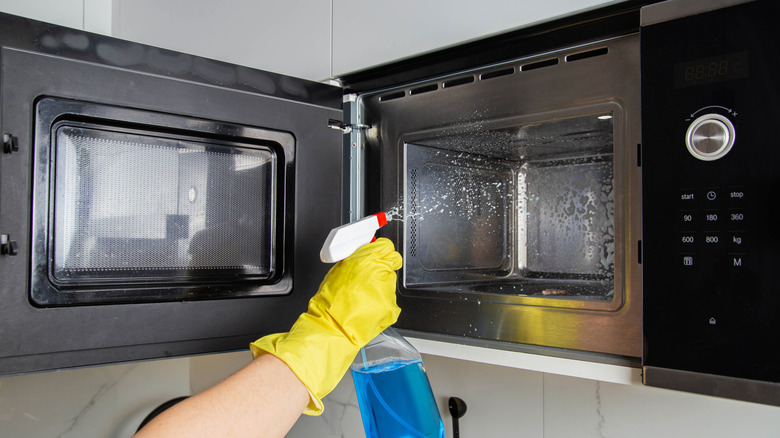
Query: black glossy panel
x,y
711,294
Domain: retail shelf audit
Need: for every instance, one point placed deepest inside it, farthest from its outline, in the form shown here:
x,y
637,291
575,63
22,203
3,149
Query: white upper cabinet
x,y
311,39
90,15
371,33
290,37
69,13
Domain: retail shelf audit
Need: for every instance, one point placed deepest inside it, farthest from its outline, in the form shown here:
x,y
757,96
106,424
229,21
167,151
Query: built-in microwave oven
x,y
156,204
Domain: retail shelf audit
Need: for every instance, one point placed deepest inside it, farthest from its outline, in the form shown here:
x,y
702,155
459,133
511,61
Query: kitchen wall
x,y
318,39
99,402
111,401
508,402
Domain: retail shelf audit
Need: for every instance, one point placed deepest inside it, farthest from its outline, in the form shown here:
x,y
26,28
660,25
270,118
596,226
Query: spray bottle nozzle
x,y
346,239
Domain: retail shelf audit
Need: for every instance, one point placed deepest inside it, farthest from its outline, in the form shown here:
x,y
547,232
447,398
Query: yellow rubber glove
x,y
355,302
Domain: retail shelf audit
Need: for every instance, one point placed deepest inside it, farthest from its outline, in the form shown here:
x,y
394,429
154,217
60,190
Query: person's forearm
x,y
263,399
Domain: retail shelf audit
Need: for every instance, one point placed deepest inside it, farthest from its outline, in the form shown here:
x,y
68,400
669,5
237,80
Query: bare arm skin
x,y
263,399
354,303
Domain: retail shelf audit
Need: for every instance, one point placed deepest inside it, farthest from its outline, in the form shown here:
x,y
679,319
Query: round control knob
x,y
710,137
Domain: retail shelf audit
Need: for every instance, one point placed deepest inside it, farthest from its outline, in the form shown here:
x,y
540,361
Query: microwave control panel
x,y
711,171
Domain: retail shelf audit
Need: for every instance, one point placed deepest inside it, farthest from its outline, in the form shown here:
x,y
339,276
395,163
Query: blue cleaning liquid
x,y
396,401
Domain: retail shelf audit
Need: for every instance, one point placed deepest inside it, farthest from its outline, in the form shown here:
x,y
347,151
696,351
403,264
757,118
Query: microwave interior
x,y
128,199
525,210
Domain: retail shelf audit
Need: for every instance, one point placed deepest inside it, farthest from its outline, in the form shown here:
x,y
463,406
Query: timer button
x,y
710,137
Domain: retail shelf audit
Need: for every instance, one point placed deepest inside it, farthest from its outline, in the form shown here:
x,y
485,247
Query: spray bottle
x,y
393,390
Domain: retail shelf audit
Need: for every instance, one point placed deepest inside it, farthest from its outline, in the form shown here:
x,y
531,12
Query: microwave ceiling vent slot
x,y
539,64
587,54
497,73
423,89
392,96
459,81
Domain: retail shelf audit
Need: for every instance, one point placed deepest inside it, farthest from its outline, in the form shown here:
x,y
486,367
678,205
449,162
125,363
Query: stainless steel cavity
x,y
519,187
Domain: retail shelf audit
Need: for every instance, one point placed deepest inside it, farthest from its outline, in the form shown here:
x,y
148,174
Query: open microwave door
x,y
154,203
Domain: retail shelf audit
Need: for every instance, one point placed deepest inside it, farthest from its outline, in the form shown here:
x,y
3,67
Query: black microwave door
x,y
154,203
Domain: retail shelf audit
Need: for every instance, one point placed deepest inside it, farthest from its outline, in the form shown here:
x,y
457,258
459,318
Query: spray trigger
x,y
346,239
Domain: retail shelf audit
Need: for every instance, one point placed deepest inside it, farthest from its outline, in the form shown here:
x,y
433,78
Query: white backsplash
x,y
509,402
100,402
110,402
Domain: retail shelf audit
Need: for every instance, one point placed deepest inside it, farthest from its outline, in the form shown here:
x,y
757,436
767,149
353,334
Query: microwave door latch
x,y
346,128
10,144
8,246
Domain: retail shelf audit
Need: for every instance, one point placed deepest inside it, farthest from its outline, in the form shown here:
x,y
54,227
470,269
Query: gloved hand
x,y
355,302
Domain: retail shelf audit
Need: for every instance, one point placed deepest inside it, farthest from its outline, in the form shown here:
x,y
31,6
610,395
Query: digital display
x,y
711,70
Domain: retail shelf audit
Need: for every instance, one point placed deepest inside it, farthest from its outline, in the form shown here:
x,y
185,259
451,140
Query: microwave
x,y
157,204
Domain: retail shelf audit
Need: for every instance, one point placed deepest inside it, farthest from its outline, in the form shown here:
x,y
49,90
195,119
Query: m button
x,y
738,262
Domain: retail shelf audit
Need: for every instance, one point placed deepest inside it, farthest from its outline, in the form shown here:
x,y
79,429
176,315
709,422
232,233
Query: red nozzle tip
x,y
382,219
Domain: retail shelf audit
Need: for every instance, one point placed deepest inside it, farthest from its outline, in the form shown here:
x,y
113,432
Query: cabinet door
x,y
68,13
273,36
367,34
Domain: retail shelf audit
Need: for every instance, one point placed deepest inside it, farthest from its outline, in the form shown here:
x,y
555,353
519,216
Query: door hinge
x,y
7,245
346,128
10,144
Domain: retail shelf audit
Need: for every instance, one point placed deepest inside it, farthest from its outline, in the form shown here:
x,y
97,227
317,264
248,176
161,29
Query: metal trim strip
x,y
674,9
709,384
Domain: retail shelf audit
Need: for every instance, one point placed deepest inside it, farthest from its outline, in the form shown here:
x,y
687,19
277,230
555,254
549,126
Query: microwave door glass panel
x,y
139,207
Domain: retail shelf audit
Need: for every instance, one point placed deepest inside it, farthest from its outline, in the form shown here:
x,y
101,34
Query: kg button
x,y
736,241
